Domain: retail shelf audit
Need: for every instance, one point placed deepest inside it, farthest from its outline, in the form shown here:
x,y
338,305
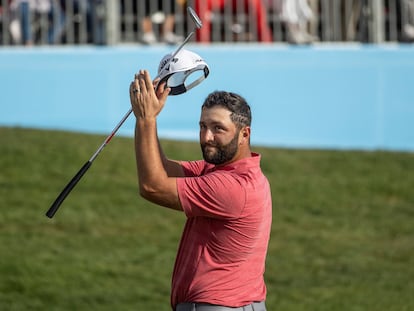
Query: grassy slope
x,y
342,238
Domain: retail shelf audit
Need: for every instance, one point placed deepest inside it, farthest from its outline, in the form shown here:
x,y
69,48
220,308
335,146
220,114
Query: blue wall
x,y
338,96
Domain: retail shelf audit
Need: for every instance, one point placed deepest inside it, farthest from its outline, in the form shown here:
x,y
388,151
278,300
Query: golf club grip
x,y
55,206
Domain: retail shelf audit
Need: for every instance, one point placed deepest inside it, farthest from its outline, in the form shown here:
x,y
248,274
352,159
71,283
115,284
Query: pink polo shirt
x,y
221,257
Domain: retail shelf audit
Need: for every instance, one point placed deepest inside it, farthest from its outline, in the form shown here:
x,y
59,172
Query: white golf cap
x,y
176,71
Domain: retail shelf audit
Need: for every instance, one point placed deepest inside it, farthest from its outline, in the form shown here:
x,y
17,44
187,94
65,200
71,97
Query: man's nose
x,y
207,135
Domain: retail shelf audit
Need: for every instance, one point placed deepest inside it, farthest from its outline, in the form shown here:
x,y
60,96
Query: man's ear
x,y
245,134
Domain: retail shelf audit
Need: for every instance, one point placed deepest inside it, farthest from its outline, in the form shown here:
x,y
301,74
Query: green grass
x,y
342,237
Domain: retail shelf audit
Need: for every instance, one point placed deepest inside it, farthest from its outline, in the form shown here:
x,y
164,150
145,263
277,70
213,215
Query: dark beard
x,y
223,153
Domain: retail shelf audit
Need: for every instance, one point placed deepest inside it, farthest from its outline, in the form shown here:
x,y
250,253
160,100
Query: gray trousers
x,y
191,306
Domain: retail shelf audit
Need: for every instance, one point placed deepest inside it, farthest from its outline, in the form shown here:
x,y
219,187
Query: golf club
x,y
197,25
72,183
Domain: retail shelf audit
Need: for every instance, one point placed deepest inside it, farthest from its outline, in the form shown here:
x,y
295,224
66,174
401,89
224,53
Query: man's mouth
x,y
210,147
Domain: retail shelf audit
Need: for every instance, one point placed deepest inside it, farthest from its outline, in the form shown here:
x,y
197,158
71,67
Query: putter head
x,y
197,21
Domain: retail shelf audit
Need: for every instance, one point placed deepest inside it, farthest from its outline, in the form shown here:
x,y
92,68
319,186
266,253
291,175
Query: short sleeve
x,y
217,194
193,168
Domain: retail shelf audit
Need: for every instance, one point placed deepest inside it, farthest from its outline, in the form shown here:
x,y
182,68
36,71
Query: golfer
x,y
225,197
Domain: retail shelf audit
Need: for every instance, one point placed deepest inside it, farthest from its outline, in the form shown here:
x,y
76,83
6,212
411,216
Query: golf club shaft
x,y
183,43
175,53
73,182
197,25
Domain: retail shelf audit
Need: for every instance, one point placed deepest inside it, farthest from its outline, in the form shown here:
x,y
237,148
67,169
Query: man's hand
x,y
145,101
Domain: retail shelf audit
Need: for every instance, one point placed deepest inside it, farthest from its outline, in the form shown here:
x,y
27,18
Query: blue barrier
x,y
327,96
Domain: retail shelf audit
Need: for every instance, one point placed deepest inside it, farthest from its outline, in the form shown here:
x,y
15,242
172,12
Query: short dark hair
x,y
236,104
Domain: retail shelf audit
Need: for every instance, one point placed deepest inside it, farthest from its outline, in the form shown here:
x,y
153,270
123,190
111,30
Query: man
x,y
226,198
